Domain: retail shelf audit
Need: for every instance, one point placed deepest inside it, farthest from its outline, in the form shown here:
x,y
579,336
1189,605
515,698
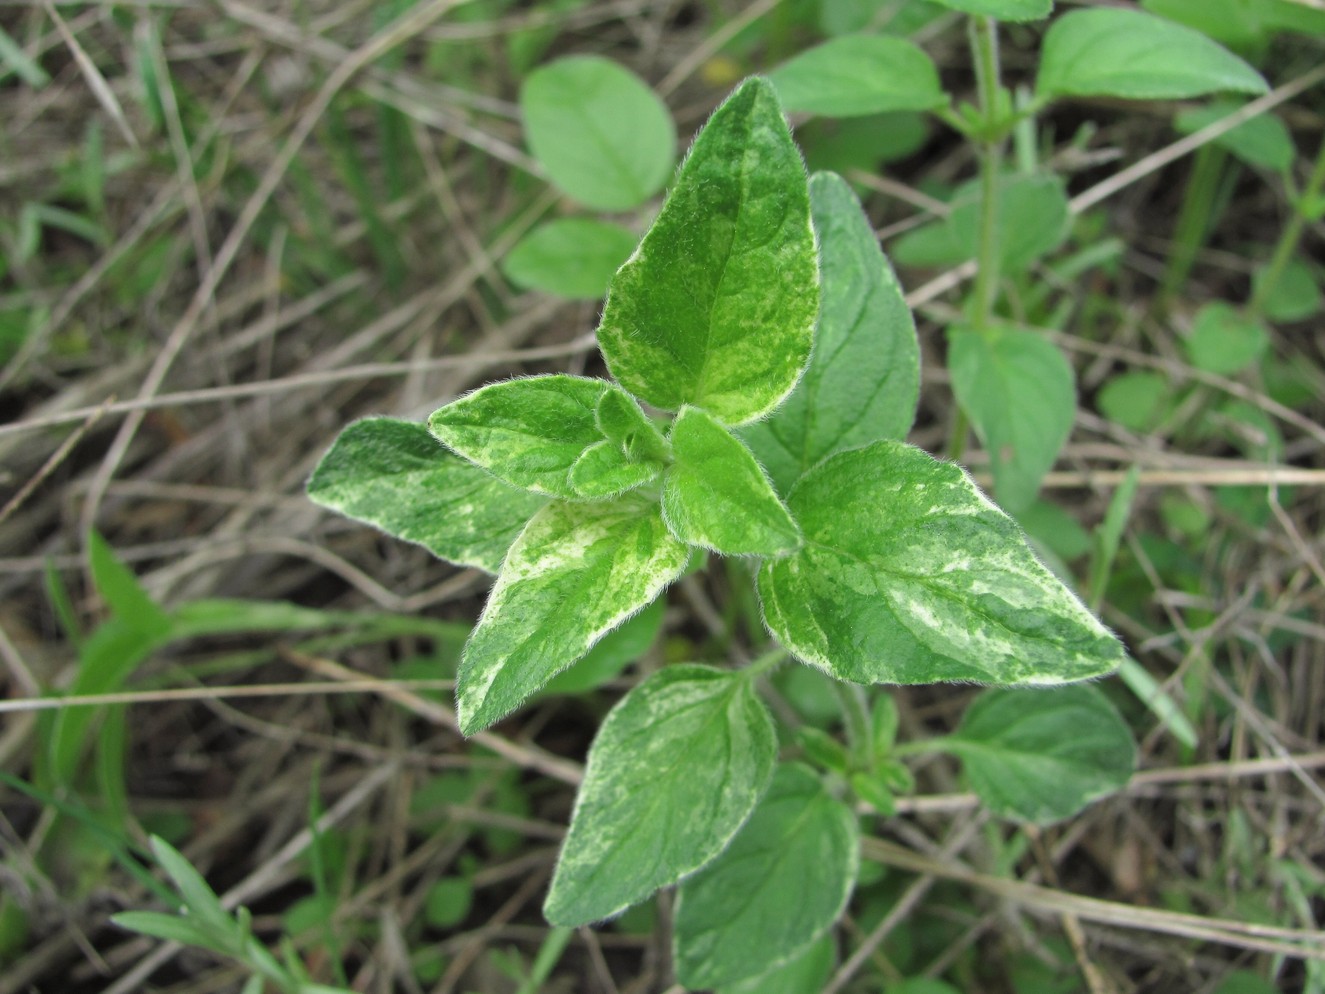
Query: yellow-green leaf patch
x,y
576,572
394,475
716,308
864,376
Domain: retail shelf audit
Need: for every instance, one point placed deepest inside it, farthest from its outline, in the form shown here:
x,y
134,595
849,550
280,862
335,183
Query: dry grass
x,y
303,229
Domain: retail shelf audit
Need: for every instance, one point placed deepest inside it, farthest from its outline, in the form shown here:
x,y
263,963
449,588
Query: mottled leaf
x,y
715,495
716,308
675,770
532,432
395,476
909,574
778,887
576,572
864,376
612,654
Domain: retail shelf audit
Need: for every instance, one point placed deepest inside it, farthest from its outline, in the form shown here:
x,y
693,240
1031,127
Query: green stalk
x,y
1288,240
984,49
856,720
984,44
1196,217
766,662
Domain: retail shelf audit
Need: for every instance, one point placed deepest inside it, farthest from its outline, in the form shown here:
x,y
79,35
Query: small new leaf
x,y
864,376
1107,52
621,421
715,495
675,770
716,307
1043,756
395,476
909,574
532,432
780,885
576,572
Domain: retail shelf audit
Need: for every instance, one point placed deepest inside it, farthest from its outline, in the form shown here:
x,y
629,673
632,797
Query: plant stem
x,y
1292,234
984,44
766,662
856,720
984,48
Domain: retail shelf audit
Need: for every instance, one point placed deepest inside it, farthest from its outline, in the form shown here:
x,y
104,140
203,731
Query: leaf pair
x,y
681,786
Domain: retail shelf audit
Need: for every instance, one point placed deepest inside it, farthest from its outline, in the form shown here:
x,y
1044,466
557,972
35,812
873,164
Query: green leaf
x,y
1296,294
1033,220
1043,755
715,494
843,144
448,901
910,575
675,770
1136,56
172,928
617,650
120,589
1262,141
1244,24
864,376
572,257
859,74
694,317
1021,396
602,135
1137,400
198,895
576,572
394,475
806,971
778,887
1004,10
533,432
14,59
1224,340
